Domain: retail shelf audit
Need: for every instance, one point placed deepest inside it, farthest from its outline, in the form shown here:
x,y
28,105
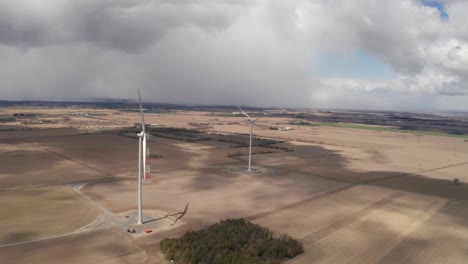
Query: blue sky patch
x,y
359,65
437,5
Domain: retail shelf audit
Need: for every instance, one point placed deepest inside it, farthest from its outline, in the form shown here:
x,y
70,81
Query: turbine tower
x,y
143,164
251,121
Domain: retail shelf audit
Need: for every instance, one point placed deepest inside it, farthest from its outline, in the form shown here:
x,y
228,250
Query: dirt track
x,y
40,213
103,246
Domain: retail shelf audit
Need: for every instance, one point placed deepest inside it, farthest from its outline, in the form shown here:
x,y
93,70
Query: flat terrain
x,y
365,236
442,239
40,213
350,195
101,246
213,194
26,163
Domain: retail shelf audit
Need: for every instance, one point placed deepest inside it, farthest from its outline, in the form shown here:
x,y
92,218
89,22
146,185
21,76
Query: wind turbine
x,y
251,121
142,159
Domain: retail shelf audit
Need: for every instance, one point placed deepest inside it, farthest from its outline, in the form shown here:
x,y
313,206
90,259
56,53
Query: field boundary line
x,y
28,137
306,173
116,178
335,226
68,158
418,172
298,203
404,235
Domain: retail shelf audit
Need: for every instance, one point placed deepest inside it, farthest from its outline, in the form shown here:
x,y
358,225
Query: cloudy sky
x,y
361,54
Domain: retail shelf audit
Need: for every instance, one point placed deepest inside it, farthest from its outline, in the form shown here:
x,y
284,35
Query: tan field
x,y
214,194
101,246
39,213
349,195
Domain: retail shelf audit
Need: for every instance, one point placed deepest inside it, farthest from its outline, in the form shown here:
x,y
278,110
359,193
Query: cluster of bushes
x,y
282,148
231,241
178,137
148,111
192,135
262,142
5,119
189,135
201,125
35,122
242,142
436,129
127,130
156,156
175,131
25,114
239,142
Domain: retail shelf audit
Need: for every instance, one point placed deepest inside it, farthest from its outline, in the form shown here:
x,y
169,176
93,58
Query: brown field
x,y
369,234
38,213
213,194
442,239
19,134
350,195
101,246
26,164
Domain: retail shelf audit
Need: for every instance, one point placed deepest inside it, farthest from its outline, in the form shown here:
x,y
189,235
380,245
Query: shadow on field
x,y
377,232
179,215
49,161
325,168
331,164
421,184
109,156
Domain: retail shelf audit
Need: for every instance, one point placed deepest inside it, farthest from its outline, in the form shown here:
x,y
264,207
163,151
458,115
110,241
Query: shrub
x,y
231,241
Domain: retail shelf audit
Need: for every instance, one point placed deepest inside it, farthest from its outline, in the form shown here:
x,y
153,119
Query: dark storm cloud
x,y
120,24
226,51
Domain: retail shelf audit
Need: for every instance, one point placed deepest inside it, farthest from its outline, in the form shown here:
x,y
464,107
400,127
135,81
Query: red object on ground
x,y
148,230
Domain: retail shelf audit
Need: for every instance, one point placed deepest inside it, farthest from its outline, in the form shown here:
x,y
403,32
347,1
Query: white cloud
x,y
219,52
450,56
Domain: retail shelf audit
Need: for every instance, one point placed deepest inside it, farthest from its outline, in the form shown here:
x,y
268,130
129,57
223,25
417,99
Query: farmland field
x,y
348,194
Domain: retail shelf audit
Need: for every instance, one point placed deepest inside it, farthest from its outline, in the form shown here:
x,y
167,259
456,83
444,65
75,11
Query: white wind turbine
x,y
142,136
251,121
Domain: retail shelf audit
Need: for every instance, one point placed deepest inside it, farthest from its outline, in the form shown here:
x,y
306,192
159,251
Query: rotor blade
x,y
244,113
141,112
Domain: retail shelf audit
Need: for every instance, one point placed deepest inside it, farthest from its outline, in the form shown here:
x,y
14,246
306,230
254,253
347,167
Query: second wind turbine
x,y
251,121
143,165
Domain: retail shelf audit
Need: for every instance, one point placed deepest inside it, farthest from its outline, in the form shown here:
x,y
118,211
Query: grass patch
x,y
392,129
231,241
6,119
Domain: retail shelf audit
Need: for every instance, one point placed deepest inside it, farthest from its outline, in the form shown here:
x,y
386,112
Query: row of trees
x,y
231,241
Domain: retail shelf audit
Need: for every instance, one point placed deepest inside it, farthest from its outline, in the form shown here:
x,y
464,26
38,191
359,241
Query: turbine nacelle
x,y
251,120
